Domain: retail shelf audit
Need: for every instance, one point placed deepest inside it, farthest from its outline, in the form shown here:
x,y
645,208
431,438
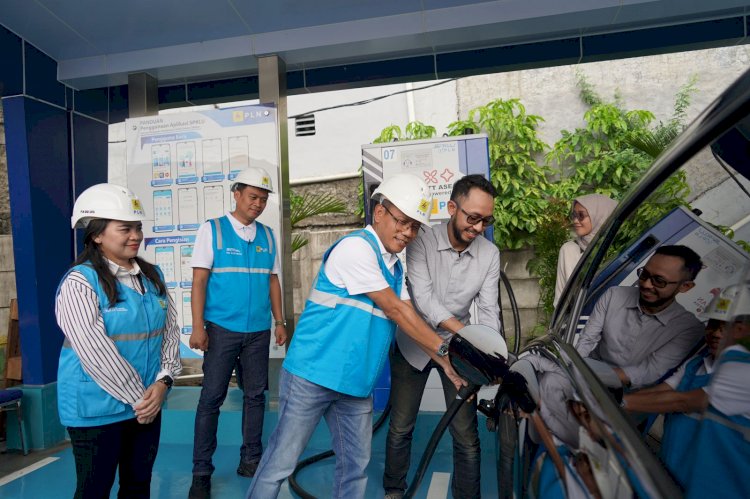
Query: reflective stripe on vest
x,y
240,270
341,341
330,300
219,239
124,337
718,418
238,296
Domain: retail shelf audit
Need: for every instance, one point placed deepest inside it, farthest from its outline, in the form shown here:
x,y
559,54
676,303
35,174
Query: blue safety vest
x,y
238,295
136,326
342,340
721,450
680,428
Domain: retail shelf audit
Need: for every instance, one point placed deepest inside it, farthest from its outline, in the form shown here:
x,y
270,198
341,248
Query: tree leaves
x,y
310,205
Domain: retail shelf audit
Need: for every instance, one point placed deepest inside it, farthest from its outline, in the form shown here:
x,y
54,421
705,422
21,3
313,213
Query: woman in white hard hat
x,y
587,216
121,348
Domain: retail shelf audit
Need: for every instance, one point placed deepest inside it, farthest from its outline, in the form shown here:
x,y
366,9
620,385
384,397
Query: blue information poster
x,y
181,166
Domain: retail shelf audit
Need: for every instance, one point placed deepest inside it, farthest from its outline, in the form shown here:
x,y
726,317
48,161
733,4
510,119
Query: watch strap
x,y
167,380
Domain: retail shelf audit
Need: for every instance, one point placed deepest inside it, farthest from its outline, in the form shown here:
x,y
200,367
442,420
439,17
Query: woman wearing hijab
x,y
587,215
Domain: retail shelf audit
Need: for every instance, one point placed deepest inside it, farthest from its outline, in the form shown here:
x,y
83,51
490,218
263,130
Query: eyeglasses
x,y
403,224
657,281
475,219
578,215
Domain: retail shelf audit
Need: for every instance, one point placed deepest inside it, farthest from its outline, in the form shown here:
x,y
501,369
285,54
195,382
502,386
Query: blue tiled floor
x,y
172,475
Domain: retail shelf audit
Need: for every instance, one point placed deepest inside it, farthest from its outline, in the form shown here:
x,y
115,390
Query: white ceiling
x,y
98,42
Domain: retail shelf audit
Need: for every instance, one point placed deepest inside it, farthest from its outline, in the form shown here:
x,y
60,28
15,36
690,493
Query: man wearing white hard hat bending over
x,y
718,456
682,396
235,291
342,341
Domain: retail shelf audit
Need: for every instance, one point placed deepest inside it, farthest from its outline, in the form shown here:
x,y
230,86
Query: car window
x,y
705,206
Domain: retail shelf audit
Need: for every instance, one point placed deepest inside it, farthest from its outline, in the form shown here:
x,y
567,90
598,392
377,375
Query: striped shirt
x,y
78,315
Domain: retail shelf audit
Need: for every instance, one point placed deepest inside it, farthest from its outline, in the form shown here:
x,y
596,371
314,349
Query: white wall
x,y
641,82
335,148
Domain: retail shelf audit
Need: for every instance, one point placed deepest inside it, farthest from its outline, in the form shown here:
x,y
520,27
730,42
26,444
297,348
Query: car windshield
x,y
648,312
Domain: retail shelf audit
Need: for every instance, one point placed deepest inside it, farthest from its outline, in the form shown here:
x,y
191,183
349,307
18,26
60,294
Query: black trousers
x,y
99,450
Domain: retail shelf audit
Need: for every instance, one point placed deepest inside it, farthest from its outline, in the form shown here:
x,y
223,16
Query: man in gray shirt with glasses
x,y
449,267
642,332
634,335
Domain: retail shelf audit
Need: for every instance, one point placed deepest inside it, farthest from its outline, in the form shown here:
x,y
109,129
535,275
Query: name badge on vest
x,y
233,251
114,309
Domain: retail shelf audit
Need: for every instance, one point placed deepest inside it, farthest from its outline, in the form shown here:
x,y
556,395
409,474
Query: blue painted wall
x,y
56,141
39,180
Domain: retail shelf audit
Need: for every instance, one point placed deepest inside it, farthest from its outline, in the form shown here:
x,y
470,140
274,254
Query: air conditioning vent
x,y
304,125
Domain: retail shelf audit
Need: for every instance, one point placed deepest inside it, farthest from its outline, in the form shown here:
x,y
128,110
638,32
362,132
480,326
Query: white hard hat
x,y
255,176
739,317
721,306
109,201
741,302
409,194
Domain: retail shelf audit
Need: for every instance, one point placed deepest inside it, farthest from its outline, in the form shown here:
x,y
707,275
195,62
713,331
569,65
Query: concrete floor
x,y
51,473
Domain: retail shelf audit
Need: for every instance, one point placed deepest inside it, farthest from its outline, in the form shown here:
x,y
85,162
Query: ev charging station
x,y
440,163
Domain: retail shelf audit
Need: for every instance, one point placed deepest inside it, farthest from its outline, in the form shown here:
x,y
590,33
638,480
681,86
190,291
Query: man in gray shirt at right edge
x,y
448,266
639,333
642,332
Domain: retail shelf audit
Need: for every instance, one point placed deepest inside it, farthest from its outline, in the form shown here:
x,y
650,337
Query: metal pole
x,y
272,90
143,95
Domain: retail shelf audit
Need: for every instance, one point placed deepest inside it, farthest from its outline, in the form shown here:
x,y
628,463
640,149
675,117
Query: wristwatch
x,y
442,350
280,323
167,380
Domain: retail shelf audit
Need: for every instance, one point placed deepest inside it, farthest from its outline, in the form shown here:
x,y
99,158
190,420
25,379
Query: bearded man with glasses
x,y
450,266
632,339
642,332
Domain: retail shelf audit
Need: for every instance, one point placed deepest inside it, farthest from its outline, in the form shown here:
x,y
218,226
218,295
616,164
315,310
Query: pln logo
x,y
261,249
238,116
136,205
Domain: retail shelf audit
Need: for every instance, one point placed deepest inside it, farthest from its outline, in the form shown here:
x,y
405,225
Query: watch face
x,y
443,349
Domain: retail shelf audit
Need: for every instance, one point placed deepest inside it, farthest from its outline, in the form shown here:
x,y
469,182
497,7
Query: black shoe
x,y
201,487
247,468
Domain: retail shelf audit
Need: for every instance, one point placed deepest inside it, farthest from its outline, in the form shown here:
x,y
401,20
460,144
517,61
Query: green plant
x,y
654,142
553,232
608,155
520,182
310,205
